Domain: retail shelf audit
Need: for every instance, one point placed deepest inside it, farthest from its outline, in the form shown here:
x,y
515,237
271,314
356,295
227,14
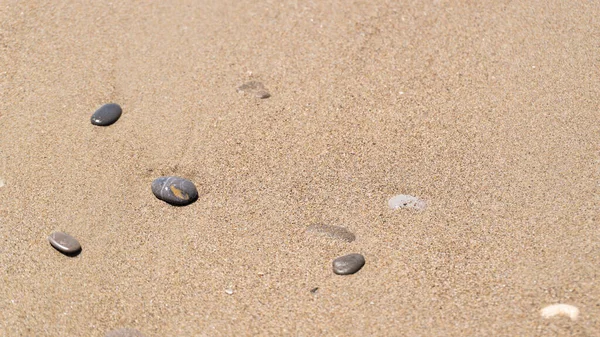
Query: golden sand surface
x,y
486,110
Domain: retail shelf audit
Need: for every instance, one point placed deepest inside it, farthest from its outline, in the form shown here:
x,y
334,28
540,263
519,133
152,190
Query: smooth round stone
x,y
124,332
348,264
257,89
175,190
107,114
407,201
330,231
64,243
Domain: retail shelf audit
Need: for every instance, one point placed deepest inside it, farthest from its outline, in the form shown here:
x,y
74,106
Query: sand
x,y
487,110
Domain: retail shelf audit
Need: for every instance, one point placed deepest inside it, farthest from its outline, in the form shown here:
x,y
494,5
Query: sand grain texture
x,y
487,109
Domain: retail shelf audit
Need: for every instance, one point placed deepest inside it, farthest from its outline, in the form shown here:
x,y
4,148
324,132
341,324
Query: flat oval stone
x,y
330,231
254,88
175,190
348,264
107,114
124,332
407,201
64,243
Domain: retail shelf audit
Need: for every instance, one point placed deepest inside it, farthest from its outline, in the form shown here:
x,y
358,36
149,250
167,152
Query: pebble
x,y
348,264
560,309
175,190
254,88
334,232
124,332
107,114
407,201
64,243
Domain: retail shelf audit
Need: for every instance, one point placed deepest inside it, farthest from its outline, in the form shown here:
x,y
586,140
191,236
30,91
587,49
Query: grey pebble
x,y
175,190
348,264
64,243
107,114
334,232
254,88
124,332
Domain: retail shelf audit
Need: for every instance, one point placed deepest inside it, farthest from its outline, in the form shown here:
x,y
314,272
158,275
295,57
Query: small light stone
x,y
257,89
560,309
124,332
64,243
175,190
229,291
348,264
334,232
407,201
107,114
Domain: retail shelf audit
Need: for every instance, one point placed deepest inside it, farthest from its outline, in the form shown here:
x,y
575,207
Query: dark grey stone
x,y
348,264
124,332
334,232
107,114
254,88
64,243
175,190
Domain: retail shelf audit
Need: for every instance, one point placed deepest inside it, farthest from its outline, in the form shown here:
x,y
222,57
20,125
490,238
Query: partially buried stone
x,y
64,243
175,190
348,264
334,232
107,114
124,332
407,201
254,88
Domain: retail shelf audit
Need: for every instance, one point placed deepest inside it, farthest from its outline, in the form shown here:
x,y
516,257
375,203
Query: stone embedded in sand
x,y
254,88
330,231
64,243
124,332
348,264
107,114
175,190
407,201
560,309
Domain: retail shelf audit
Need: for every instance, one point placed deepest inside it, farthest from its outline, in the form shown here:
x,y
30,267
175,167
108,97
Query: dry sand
x,y
488,110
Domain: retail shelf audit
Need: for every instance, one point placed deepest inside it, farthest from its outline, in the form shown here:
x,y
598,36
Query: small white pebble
x,y
560,309
229,291
1,182
407,201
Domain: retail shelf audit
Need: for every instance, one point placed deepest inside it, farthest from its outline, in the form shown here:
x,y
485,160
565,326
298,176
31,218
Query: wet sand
x,y
488,111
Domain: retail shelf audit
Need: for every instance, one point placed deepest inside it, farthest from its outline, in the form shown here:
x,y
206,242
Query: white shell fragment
x,y
560,309
407,201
